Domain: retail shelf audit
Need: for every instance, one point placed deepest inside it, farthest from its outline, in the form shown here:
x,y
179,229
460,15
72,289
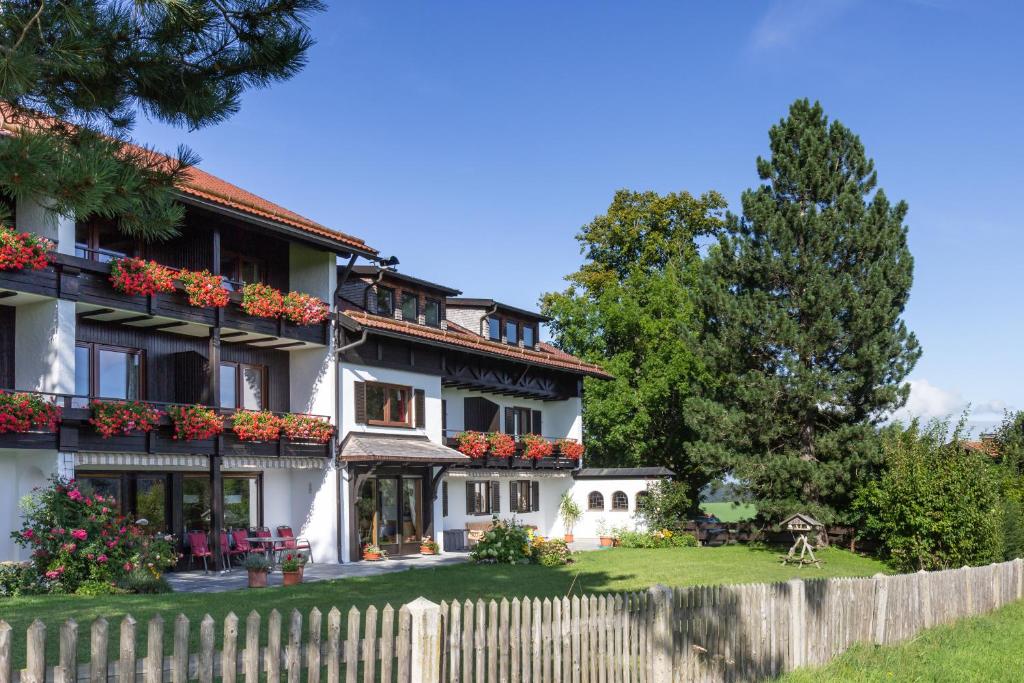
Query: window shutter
x,y
513,496
470,501
360,402
535,497
420,401
480,414
444,499
496,497
510,421
536,426
444,417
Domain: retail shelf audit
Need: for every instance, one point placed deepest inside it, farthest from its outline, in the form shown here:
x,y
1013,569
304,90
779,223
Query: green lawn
x,y
616,569
730,512
979,649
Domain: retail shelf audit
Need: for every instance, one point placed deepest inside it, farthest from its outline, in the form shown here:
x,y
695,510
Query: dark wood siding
x,y
7,347
192,249
163,360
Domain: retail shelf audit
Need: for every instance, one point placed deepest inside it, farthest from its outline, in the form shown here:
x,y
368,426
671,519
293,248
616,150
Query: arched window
x,y
620,501
595,501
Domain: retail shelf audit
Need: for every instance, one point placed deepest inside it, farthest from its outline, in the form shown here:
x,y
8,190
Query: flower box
x,y
195,423
262,301
26,250
307,428
22,412
137,277
501,445
536,447
111,418
570,448
253,425
204,289
304,309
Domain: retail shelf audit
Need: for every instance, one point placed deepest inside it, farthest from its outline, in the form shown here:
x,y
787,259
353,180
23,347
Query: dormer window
x,y
494,329
410,307
385,301
432,313
511,332
529,335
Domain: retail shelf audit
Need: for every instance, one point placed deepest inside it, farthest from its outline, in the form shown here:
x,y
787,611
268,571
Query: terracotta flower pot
x,y
569,538
424,550
257,579
606,541
292,578
372,557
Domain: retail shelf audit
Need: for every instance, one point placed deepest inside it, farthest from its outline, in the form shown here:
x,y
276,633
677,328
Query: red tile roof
x,y
203,185
548,356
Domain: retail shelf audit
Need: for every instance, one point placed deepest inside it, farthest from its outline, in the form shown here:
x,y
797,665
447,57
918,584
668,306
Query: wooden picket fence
x,y
710,634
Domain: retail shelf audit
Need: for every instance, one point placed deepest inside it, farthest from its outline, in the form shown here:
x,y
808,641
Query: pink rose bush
x,y
77,541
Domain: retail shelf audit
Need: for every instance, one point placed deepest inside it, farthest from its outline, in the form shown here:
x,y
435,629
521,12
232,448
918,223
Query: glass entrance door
x,y
390,514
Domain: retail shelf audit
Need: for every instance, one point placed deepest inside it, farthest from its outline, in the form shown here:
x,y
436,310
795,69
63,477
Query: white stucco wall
x,y
33,216
561,419
306,500
44,346
589,524
552,485
430,384
20,472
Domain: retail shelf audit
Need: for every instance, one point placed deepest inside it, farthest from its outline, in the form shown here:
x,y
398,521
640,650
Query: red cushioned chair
x,y
293,543
199,547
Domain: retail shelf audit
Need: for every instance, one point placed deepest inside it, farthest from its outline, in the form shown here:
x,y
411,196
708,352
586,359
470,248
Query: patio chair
x,y
198,546
226,551
293,543
267,548
242,545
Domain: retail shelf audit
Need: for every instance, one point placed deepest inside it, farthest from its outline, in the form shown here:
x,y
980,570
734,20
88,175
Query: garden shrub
x,y
936,505
664,538
1013,529
77,538
664,505
145,582
97,587
17,578
507,542
549,552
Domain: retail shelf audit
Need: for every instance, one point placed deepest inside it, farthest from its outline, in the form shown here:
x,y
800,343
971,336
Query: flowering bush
x,y
204,289
307,428
305,309
549,552
22,412
292,562
111,418
78,541
570,448
506,542
195,423
139,277
501,445
661,538
23,250
473,444
256,425
262,301
536,447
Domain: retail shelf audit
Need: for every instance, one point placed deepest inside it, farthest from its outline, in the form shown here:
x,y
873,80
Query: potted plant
x,y
258,567
373,553
604,532
291,569
570,512
536,447
428,546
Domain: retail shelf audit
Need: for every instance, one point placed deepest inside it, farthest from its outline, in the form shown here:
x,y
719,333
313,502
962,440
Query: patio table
x,y
278,544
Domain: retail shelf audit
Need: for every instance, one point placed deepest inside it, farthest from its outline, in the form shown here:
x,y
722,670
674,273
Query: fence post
x,y
661,634
797,623
426,640
924,597
881,606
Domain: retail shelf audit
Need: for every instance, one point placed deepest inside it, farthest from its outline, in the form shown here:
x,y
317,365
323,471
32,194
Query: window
x,y
620,501
410,307
482,498
108,486
385,301
243,269
101,241
432,313
524,496
240,502
494,329
529,335
387,404
595,501
511,332
243,386
108,372
518,421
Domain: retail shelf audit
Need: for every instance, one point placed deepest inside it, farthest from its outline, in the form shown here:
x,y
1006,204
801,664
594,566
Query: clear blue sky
x,y
473,139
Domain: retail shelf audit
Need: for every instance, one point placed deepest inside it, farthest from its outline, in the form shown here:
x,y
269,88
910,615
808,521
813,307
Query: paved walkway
x,y
214,582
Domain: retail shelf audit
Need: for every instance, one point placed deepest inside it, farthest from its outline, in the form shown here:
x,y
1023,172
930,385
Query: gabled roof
x,y
457,338
207,188
395,275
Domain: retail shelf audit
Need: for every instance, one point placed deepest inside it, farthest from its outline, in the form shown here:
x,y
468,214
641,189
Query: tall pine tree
x,y
803,298
73,75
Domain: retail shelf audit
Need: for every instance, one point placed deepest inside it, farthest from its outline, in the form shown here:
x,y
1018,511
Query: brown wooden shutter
x,y
495,498
470,501
480,415
535,426
510,420
535,497
420,403
444,417
444,499
513,496
360,402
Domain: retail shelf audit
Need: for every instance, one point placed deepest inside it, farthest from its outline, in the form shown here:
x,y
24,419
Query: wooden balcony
x,y
86,282
74,433
517,461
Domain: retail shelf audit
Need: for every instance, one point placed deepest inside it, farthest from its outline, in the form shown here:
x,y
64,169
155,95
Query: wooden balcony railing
x,y
517,461
74,433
